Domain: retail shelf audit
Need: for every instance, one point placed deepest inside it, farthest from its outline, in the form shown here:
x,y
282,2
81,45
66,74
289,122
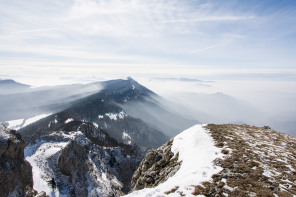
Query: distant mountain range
x,y
93,120
9,86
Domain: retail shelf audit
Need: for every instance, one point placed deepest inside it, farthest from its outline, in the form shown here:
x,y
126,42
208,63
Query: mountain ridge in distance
x,y
103,130
10,86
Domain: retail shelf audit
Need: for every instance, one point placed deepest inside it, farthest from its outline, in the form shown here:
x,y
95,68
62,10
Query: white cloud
x,y
32,31
150,34
210,19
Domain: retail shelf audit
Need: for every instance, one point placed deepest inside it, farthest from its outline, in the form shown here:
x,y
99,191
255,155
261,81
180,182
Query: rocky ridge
x,y
252,161
81,166
15,172
158,165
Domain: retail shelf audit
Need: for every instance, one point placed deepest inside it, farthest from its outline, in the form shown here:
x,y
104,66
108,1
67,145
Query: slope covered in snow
x,y
20,123
81,163
40,157
221,160
197,151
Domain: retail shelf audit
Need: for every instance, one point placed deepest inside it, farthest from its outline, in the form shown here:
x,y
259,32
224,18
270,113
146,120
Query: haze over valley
x,y
147,98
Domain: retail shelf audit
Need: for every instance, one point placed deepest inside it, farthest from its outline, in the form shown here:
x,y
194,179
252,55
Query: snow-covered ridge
x,y
197,151
20,123
253,161
43,157
100,165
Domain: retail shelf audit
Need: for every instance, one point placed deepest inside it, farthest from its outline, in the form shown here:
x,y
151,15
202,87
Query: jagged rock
x,y
88,174
15,171
123,167
72,162
156,167
33,193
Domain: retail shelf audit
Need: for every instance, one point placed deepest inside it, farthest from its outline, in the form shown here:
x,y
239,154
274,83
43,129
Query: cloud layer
x,y
133,36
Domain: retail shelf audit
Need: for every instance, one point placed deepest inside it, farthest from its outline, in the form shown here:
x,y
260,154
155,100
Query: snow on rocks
x,y
126,137
114,116
262,161
39,156
197,151
4,133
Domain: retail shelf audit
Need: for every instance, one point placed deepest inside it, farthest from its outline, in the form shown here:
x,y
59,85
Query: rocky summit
x,y
221,160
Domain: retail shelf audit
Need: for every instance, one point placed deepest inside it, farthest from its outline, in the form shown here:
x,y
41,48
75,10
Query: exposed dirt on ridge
x,y
257,161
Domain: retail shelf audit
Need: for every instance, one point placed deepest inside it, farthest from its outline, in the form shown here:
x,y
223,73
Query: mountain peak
x,y
130,78
11,82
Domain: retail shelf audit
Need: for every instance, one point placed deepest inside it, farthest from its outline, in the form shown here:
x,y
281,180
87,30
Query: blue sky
x,y
184,38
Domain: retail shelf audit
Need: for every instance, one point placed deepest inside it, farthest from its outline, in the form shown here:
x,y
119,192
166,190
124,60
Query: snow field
x,y
37,156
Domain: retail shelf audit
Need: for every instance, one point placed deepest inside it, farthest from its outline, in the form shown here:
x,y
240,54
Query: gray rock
x,y
72,162
15,171
156,167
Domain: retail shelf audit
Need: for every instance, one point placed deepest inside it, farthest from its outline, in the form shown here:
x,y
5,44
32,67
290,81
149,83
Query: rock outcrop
x,y
15,171
72,162
158,165
87,173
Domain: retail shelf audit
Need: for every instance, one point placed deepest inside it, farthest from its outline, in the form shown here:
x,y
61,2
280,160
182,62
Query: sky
x,y
243,48
98,39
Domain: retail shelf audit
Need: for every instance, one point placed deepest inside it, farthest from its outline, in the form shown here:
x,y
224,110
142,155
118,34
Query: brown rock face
x,y
15,171
156,167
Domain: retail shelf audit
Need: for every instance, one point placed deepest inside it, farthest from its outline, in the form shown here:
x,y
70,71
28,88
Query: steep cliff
x,y
15,171
156,167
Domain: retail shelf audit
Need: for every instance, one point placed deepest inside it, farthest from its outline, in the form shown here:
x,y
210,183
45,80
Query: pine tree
x,y
52,183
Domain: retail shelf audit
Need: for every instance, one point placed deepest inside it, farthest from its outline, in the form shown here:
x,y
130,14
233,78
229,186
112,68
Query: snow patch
x,y
112,116
96,125
126,137
34,119
69,120
115,116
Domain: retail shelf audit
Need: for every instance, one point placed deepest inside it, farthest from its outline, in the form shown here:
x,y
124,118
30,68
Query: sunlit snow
x,y
37,156
126,136
15,124
20,123
197,152
69,120
115,116
34,119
